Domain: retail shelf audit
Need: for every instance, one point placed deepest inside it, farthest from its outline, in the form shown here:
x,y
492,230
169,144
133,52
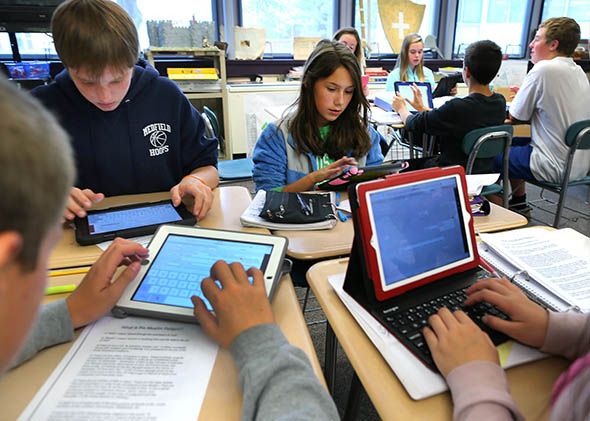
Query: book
x,y
251,218
551,266
203,73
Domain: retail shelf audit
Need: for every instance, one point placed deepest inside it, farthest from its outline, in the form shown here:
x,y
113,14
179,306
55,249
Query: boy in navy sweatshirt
x,y
132,131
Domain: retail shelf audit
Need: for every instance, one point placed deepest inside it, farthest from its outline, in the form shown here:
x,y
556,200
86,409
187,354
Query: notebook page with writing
x,y
557,259
532,288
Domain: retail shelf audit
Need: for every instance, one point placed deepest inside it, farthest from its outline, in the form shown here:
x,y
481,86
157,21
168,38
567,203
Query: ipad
x,y
129,221
181,257
405,90
357,174
415,228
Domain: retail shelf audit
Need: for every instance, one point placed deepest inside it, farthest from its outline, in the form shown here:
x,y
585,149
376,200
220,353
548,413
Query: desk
x,y
530,384
312,245
223,398
223,214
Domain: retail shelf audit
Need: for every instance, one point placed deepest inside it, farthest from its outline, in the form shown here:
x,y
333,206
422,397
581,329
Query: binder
x,y
551,266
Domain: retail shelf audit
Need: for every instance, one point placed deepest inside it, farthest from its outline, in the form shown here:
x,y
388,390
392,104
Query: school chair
x,y
489,142
231,170
577,137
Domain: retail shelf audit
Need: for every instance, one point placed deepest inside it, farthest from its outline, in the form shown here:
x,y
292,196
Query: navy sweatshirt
x,y
153,139
454,119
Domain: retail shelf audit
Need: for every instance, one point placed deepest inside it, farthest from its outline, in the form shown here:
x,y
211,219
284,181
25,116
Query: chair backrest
x,y
209,132
212,117
578,132
487,142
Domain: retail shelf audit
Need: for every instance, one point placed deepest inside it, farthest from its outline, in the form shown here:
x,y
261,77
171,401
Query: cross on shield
x,y
400,18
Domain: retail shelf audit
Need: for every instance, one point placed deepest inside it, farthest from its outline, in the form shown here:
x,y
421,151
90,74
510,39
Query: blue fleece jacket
x,y
153,139
277,163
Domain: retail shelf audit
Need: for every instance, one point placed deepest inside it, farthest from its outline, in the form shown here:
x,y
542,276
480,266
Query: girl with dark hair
x,y
326,129
409,66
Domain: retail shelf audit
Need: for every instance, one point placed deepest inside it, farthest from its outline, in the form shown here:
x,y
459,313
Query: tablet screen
x,y
183,261
406,92
419,229
117,220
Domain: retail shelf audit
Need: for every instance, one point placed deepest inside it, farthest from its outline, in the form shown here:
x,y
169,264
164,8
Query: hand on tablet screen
x,y
333,169
79,201
200,192
98,292
238,304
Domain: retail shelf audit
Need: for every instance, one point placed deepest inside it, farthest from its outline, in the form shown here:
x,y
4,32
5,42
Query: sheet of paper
x,y
133,368
556,259
144,240
476,182
418,380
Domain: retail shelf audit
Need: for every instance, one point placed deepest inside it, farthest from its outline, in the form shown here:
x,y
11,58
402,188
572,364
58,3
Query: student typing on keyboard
x,y
468,360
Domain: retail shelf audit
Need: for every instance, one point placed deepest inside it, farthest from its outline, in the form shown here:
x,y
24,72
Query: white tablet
x,y
181,257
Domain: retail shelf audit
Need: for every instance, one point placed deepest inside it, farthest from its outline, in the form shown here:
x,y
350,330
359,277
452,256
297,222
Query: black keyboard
x,y
407,324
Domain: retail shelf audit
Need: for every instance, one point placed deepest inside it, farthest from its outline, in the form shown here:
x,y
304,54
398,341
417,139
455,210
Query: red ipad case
x,y
366,231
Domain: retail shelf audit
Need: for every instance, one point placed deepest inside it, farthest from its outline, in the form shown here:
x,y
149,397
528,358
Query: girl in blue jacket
x,y
326,130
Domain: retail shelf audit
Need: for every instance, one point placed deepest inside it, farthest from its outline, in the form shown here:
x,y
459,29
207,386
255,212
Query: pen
x,y
64,272
60,289
488,267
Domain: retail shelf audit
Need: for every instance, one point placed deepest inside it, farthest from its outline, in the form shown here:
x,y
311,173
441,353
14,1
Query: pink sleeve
x,y
480,392
568,334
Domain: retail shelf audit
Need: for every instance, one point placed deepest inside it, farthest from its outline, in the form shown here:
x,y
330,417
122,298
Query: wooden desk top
x,y
530,384
321,244
228,204
223,399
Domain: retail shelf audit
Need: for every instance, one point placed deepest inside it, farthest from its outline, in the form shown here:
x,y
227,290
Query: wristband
x,y
199,179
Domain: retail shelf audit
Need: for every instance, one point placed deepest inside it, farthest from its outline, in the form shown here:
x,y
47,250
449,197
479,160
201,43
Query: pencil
x,y
64,272
60,289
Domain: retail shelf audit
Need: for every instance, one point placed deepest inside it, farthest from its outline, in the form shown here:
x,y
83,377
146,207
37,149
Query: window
x,y
285,19
576,9
502,21
400,23
181,15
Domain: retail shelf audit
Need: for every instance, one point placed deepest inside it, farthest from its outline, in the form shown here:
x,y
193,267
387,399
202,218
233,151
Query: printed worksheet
x,y
129,369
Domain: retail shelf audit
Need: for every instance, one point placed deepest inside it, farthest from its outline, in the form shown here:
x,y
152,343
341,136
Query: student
x,y
36,156
132,131
350,37
554,95
455,118
469,361
327,131
409,66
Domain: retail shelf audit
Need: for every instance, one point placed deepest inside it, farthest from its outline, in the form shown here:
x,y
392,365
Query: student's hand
x,y
399,103
513,92
529,321
417,102
454,90
79,201
332,169
98,292
454,339
238,305
200,192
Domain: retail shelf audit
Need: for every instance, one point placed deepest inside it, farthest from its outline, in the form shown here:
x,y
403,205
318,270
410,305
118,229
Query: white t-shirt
x,y
554,95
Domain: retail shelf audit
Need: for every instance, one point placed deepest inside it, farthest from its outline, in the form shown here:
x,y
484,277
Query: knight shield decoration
x,y
400,18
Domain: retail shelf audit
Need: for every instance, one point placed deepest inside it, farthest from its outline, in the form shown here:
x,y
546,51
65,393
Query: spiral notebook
x,y
551,266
